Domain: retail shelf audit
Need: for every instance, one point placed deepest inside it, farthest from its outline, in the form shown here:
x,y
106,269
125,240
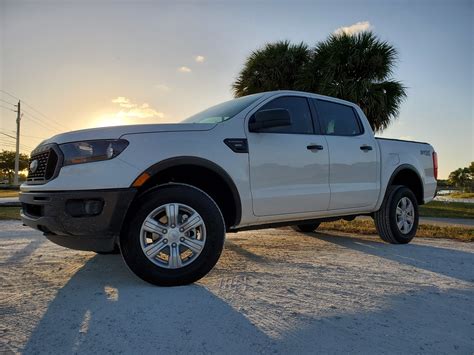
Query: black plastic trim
x,y
238,145
412,168
47,212
190,160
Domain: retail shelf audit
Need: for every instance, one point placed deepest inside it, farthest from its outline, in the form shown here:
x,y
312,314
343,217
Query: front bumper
x,y
84,220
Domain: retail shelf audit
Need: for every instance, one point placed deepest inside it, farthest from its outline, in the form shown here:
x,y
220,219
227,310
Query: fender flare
x,y
204,163
406,167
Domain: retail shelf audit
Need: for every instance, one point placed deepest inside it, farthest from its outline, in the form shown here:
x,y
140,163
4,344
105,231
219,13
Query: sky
x,y
81,64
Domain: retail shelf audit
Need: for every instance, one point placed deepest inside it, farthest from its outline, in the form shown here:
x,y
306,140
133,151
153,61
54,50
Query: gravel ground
x,y
273,291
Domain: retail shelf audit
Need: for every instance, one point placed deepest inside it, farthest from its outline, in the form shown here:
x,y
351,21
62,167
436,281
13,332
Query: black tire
x,y
385,217
139,263
306,228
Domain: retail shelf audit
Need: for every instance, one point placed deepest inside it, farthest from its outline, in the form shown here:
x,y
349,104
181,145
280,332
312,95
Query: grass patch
x,y
462,195
424,231
9,213
447,209
8,193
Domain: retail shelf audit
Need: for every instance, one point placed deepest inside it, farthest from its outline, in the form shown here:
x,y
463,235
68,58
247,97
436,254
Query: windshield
x,y
223,111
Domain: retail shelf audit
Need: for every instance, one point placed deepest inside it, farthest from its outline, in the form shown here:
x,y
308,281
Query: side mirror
x,y
277,117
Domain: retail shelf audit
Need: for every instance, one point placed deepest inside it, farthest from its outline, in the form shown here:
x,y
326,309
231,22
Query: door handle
x,y
315,147
365,148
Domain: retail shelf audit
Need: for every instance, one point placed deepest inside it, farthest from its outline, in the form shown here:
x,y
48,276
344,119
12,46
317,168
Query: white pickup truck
x,y
166,194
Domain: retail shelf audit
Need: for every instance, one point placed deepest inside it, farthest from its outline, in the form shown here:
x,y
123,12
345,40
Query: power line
x,y
42,114
38,112
36,120
7,108
7,135
6,92
7,102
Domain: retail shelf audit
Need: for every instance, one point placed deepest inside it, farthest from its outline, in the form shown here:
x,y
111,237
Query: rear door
x,y
289,165
353,176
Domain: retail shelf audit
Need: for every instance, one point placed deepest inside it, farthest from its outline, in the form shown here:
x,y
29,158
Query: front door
x,y
289,165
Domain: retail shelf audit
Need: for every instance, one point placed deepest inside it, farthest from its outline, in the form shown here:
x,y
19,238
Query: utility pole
x,y
17,155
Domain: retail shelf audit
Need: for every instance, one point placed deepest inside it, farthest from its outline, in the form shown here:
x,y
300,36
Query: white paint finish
x,y
117,131
408,153
285,176
353,178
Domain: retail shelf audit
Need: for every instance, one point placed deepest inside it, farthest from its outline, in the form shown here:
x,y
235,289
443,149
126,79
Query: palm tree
x,y
276,66
356,68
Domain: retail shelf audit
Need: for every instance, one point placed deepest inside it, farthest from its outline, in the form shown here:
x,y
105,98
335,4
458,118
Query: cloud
x,y
133,110
354,29
184,69
199,58
123,102
162,87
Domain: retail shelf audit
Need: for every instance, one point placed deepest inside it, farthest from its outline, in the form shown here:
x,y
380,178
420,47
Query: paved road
x,y
9,201
273,291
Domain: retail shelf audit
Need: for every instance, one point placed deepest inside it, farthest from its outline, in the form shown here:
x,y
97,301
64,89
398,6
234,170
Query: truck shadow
x,y
104,308
426,257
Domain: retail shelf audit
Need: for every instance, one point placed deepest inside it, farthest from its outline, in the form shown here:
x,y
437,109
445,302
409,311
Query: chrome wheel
x,y
405,215
173,235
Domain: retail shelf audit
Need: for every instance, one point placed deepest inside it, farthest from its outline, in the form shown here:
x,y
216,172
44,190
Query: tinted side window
x,y
299,112
337,119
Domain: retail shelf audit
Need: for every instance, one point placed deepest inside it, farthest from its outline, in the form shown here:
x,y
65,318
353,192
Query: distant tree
x,y
356,68
7,163
276,66
460,178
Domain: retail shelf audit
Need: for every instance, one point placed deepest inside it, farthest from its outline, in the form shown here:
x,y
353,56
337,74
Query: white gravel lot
x,y
273,291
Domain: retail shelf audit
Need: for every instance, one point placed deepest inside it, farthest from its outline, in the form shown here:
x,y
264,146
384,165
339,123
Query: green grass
x,y
447,210
462,195
8,193
9,213
424,230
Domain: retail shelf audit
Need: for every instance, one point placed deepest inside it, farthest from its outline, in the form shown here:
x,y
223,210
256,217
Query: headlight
x,y
89,151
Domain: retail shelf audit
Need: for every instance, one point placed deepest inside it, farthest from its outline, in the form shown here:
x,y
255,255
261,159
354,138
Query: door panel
x,y
289,165
353,172
285,176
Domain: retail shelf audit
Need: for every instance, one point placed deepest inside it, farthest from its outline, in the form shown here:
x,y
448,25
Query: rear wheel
x,y
397,219
176,236
306,228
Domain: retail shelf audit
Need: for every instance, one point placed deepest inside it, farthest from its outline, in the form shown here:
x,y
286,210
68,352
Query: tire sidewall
x,y
395,197
139,263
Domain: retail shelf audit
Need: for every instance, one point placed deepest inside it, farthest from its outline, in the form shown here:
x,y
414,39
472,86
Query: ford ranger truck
x,y
165,195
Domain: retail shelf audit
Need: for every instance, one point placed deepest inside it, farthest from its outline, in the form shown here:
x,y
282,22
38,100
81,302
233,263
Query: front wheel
x,y
397,219
176,236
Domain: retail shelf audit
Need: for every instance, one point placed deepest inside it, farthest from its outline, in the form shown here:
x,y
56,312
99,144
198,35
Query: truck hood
x,y
118,131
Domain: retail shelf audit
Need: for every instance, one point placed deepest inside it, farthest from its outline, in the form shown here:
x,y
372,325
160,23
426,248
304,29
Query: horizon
x,y
78,65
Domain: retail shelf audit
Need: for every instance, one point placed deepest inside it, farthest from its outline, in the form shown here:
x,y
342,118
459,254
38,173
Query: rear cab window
x,y
338,119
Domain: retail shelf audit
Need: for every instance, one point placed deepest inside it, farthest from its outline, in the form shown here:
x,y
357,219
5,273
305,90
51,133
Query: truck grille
x,y
46,165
